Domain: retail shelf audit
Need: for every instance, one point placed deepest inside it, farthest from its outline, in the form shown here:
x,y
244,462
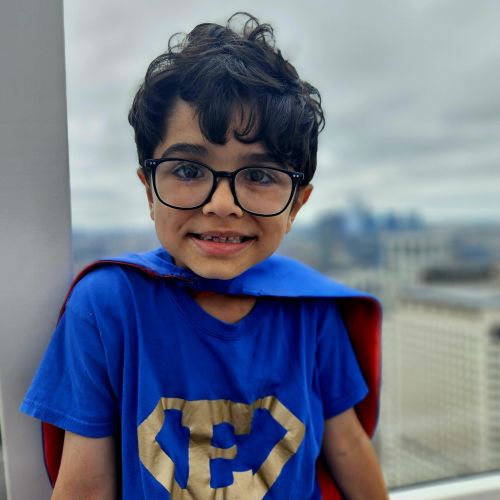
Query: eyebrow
x,y
199,150
260,157
184,147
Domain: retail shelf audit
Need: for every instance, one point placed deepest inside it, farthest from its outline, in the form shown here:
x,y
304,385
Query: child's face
x,y
187,234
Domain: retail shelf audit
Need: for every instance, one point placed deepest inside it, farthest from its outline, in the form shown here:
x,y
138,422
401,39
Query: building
x,y
441,393
407,254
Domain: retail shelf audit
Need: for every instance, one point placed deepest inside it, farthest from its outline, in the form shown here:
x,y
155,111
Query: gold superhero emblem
x,y
201,417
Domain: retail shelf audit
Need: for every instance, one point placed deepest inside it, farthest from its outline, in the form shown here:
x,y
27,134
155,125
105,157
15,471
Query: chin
x,y
216,272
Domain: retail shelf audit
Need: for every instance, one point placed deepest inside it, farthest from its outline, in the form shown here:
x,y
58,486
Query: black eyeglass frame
x,y
152,164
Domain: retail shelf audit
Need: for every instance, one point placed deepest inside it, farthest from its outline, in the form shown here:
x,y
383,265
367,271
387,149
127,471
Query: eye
x,y
186,170
261,176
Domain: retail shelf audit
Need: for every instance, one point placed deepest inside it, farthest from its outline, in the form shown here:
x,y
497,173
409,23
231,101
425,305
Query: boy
x,y
186,372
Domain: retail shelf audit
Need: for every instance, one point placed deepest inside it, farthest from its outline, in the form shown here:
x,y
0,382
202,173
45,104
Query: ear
x,y
302,197
149,192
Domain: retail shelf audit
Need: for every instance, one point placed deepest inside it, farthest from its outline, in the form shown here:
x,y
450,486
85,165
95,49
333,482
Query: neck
x,y
227,308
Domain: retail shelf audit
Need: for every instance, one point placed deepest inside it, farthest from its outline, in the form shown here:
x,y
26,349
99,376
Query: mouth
x,y
222,238
220,245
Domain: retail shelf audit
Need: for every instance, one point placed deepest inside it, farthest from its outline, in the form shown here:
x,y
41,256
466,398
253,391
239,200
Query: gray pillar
x,y
35,226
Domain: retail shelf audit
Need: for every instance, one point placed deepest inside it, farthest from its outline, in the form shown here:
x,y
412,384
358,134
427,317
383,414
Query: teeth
x,y
221,239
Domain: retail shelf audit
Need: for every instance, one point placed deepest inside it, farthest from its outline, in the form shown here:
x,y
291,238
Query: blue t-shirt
x,y
197,404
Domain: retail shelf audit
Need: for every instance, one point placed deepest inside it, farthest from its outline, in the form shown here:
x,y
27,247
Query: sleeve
x,y
71,388
341,383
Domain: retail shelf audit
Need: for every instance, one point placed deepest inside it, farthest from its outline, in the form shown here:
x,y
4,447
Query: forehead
x,y
183,134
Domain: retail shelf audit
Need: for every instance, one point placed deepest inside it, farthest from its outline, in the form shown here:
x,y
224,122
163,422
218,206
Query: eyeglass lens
x,y
184,184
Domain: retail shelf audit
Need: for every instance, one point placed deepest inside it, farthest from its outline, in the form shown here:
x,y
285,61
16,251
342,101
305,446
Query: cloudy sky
x,y
411,90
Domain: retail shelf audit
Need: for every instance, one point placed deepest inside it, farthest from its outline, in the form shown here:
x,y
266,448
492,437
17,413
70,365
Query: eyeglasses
x,y
188,184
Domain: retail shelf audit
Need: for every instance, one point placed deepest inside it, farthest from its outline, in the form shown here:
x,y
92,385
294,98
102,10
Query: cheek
x,y
161,219
277,229
156,211
169,220
285,223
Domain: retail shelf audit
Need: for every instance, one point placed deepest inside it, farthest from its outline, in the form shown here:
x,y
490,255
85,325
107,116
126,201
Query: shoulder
x,y
285,277
107,289
311,314
98,283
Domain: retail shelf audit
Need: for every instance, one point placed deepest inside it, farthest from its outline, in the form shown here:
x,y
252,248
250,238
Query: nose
x,y
222,202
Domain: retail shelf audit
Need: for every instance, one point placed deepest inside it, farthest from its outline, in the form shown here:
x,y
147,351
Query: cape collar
x,y
276,276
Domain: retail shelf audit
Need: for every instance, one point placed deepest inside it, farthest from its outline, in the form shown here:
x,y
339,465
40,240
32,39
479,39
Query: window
x,y
406,184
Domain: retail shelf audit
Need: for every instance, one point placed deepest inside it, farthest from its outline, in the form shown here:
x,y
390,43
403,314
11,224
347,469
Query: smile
x,y
221,239
221,245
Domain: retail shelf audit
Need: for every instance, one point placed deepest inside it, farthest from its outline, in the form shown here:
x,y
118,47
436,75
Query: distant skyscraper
x,y
406,254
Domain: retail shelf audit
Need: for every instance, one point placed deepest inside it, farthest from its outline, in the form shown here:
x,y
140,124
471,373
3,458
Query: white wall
x,y
34,220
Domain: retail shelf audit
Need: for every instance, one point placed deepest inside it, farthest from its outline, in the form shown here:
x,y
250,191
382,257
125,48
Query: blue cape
x,y
274,277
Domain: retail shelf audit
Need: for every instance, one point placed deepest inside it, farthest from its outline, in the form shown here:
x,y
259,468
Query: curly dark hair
x,y
219,70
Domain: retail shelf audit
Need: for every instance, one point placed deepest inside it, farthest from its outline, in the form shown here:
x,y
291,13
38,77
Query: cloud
x,y
411,92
